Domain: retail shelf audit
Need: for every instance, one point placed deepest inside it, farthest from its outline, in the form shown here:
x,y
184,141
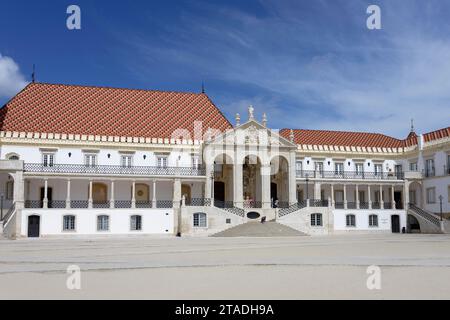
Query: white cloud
x,y
11,79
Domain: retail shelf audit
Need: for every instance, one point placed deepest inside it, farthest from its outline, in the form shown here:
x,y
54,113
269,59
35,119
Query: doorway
x,y
273,192
49,197
34,226
395,223
398,200
219,191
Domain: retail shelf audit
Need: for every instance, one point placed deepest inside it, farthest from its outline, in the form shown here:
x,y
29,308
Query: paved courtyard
x,y
331,267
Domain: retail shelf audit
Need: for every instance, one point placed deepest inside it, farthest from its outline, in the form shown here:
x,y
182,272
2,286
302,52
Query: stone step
x,y
257,229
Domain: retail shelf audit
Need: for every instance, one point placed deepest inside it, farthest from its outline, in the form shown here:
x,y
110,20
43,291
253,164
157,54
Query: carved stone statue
x,y
251,111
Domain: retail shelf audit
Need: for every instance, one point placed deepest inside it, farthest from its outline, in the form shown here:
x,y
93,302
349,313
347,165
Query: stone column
x,y
332,195
19,196
392,197
292,179
45,200
111,197
176,193
357,196
133,195
317,190
238,181
265,186
369,197
90,201
345,196
406,195
154,202
68,195
381,197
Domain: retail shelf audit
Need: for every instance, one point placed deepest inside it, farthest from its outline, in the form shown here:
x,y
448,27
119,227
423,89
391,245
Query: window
x,y
161,162
103,223
48,159
200,220
90,160
350,220
339,168
126,161
378,169
373,220
69,223
431,195
413,166
195,161
319,167
136,223
359,168
316,219
448,164
13,157
429,168
9,190
299,165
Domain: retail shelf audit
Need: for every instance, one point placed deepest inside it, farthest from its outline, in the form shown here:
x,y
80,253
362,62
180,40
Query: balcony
x,y
84,204
114,170
314,174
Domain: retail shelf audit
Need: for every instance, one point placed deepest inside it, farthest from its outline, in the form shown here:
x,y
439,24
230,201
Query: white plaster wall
x,y
33,154
362,219
154,221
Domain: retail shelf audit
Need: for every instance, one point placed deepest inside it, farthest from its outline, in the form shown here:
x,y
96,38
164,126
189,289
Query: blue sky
x,y
308,64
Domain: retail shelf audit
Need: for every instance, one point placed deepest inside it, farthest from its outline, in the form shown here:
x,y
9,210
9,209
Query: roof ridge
x,y
342,131
115,88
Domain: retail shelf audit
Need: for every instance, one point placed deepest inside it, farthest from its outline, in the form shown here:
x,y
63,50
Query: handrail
x,y
9,215
295,207
114,169
425,214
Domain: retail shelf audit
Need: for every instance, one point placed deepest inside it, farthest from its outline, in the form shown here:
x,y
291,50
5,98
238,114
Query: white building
x,y
94,161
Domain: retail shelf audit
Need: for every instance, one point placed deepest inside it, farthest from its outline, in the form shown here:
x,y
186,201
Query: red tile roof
x,y
342,138
436,135
70,109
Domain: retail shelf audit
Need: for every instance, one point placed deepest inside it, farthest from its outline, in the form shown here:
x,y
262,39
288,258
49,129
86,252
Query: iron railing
x,y
318,203
316,174
198,202
364,205
8,214
79,204
351,205
252,204
122,204
57,204
111,169
425,214
229,206
33,204
143,204
387,205
295,207
101,204
376,205
164,204
339,205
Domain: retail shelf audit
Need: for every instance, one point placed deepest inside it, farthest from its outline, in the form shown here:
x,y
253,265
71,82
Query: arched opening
x,y
415,194
223,181
186,192
279,177
251,175
413,224
12,156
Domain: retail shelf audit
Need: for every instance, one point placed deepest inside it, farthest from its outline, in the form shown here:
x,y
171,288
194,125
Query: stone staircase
x,y
258,229
429,222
